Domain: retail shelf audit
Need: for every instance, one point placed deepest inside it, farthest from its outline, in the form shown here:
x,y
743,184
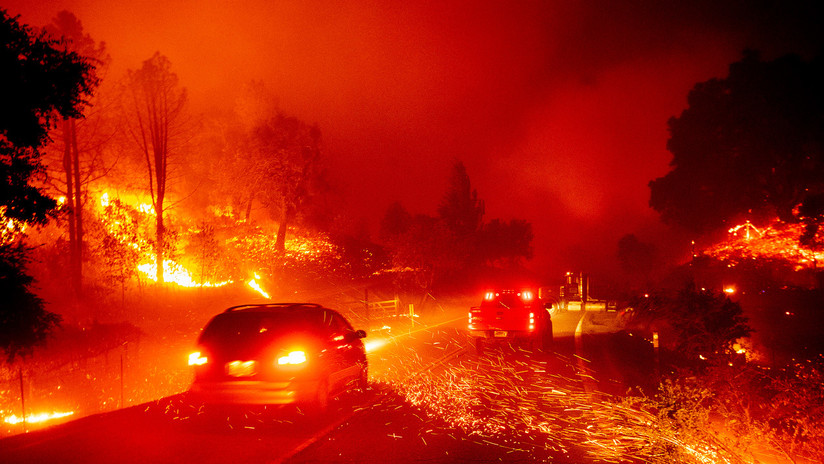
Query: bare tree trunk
x,y
70,204
77,272
159,231
280,242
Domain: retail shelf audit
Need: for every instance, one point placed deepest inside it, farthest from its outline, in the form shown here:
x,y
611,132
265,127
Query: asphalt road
x,y
431,399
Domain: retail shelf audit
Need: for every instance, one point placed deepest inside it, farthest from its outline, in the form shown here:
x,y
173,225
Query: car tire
x,y
320,403
479,346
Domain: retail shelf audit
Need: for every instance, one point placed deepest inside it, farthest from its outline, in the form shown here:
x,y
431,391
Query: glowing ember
x,y
35,418
514,400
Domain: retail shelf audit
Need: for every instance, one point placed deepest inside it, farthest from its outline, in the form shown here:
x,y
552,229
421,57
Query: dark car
x,y
284,353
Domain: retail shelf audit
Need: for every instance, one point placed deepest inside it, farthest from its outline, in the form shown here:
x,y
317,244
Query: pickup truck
x,y
508,316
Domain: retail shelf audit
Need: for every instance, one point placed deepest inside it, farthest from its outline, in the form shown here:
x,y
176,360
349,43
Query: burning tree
x,y
39,84
118,244
289,152
157,124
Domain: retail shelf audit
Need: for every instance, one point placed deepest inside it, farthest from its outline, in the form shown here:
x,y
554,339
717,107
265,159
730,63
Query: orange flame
x,y
34,418
777,240
256,286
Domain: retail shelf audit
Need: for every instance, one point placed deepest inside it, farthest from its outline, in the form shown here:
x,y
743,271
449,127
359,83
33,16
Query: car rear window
x,y
249,326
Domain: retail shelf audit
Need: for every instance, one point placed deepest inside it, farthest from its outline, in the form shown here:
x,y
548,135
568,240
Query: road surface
x,y
431,399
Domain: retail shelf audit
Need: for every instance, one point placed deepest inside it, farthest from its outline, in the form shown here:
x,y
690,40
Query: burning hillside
x,y
208,253
777,241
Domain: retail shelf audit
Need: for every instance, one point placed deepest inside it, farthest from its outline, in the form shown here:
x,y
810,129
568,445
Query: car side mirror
x,y
360,333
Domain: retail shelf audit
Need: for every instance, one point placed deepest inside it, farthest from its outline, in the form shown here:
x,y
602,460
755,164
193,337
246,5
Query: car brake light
x,y
197,359
293,357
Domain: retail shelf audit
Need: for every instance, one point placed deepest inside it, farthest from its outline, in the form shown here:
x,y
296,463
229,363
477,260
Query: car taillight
x,y
527,295
531,321
489,296
292,358
197,359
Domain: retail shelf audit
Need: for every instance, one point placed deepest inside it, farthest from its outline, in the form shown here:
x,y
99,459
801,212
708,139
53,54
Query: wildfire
x,y
35,418
177,274
256,286
172,271
10,229
778,240
254,242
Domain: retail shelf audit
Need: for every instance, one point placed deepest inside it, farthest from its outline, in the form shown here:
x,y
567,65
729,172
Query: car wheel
x,y
320,402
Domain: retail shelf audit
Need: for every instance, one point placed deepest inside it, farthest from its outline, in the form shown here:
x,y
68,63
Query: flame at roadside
x,y
256,286
36,418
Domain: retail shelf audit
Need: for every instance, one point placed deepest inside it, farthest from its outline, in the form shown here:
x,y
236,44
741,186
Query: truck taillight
x,y
527,295
197,359
292,358
489,296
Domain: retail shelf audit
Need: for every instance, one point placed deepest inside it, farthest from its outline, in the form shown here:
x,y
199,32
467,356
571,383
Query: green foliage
x,y
749,144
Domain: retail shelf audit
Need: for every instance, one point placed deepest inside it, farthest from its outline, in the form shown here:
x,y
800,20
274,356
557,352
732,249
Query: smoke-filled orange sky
x,y
557,108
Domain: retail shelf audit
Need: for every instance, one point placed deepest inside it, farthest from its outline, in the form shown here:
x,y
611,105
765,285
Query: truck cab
x,y
511,315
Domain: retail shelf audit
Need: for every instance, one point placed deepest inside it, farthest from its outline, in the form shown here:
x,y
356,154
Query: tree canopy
x,y
749,144
39,83
454,245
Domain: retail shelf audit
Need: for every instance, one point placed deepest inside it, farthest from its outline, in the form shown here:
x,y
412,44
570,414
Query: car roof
x,y
275,307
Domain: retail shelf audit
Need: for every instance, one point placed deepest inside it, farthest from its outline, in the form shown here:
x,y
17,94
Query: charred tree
x,y
156,121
